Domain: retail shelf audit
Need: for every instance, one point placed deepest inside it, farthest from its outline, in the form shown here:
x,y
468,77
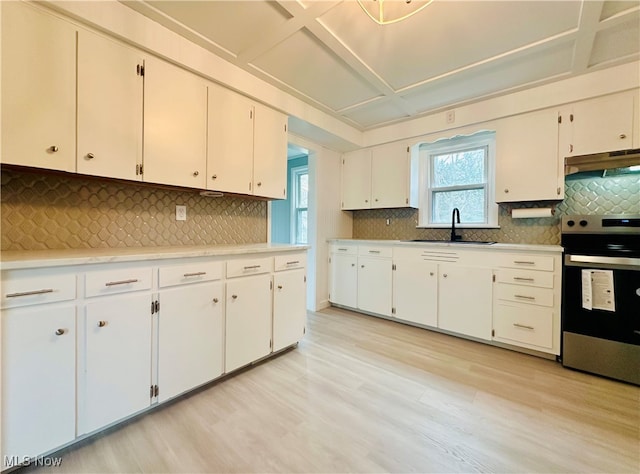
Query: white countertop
x,y
457,245
21,259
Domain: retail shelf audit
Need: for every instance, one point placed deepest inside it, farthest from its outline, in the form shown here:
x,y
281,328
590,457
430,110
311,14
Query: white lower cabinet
x,y
38,380
289,307
415,291
374,285
117,366
343,283
190,337
248,320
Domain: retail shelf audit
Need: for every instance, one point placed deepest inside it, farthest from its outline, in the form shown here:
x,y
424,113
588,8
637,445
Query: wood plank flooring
x,y
361,394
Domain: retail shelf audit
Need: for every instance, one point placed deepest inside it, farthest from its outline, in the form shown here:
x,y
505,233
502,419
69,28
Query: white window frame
x,y
453,145
295,173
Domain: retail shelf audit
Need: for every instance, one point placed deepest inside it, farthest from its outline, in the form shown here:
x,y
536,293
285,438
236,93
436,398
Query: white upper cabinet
x,y
247,150
270,153
527,163
598,125
378,177
38,89
356,179
110,87
175,126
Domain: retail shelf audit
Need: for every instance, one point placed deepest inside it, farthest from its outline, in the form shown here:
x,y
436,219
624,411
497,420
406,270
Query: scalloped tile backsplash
x,y
54,211
610,195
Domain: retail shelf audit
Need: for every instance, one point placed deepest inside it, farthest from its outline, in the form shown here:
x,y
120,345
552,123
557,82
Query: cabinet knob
x,y
506,191
215,300
366,200
623,136
259,183
60,332
361,266
215,176
90,156
353,264
430,273
52,149
376,199
279,287
195,173
102,324
444,275
235,297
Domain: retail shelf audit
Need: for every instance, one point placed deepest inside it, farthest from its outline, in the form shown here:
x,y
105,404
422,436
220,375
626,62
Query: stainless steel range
x,y
601,295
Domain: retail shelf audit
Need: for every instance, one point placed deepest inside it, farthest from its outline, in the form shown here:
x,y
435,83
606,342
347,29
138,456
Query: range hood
x,y
601,161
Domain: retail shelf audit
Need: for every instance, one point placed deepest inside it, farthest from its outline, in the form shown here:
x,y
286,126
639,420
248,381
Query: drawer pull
x,y
279,287
121,282
194,274
102,324
342,249
523,262
523,279
523,326
294,262
60,332
374,251
532,298
30,293
252,267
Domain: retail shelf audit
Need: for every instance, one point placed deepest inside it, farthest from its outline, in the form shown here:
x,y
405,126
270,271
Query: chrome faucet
x,y
455,214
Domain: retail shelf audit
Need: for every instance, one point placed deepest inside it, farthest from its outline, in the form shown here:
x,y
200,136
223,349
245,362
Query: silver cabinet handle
x,y
532,298
251,267
235,297
52,149
121,282
194,274
374,251
523,262
215,300
279,287
294,262
30,293
523,326
196,173
342,249
60,332
523,279
90,156
102,324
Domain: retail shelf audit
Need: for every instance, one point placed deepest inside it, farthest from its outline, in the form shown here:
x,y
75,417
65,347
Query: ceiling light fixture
x,y
385,12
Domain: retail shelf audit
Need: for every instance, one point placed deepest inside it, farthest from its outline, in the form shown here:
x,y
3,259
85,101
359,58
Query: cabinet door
x,y
270,153
190,337
356,180
118,359
374,285
527,163
230,148
248,324
602,124
109,108
175,126
415,292
38,379
390,176
38,89
343,284
465,300
289,308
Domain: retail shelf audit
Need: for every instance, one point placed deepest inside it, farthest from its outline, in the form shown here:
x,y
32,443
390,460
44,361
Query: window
x,y
300,204
458,172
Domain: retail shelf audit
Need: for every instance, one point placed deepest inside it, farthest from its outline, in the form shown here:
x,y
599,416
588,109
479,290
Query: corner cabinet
x,y
378,178
528,167
38,88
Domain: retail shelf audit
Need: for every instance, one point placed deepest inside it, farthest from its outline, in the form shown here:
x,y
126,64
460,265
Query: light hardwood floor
x,y
361,394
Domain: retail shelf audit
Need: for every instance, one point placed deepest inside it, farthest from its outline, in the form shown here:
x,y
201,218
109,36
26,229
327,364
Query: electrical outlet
x,y
181,213
451,116
388,221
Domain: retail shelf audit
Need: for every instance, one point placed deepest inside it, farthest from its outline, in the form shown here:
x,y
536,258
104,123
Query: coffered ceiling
x,y
334,57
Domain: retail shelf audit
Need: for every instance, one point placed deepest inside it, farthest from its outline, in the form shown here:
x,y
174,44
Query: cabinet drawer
x,y
525,294
375,251
253,266
344,249
110,282
189,273
23,288
290,261
528,325
529,262
526,278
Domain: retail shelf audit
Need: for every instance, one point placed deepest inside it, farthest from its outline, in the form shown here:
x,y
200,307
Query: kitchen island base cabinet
x,y
117,372
248,320
190,337
38,380
289,308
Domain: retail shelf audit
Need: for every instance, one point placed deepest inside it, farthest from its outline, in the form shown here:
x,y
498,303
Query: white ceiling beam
x,y
587,27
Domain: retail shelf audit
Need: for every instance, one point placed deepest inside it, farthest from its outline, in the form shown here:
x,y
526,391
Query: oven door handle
x,y
577,260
